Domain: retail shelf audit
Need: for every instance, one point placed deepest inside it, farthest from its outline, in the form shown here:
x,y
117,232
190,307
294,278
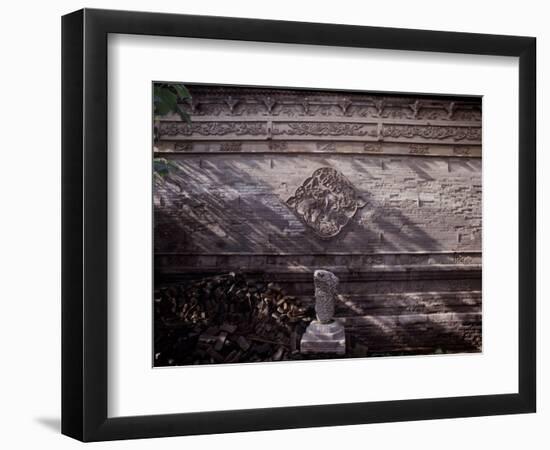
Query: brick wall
x,y
409,259
236,203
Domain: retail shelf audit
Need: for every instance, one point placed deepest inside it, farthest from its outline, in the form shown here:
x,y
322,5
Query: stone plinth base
x,y
324,338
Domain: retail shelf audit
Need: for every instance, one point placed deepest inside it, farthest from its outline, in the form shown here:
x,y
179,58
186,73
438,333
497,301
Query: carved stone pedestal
x,y
324,338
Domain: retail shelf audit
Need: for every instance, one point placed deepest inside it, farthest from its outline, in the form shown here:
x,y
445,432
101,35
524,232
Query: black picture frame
x,y
84,224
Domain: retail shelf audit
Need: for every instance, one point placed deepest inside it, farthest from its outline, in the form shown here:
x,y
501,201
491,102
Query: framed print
x,y
273,224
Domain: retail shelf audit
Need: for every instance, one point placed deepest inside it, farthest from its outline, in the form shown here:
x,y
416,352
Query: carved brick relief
x,y
379,123
326,202
432,132
212,128
323,129
241,101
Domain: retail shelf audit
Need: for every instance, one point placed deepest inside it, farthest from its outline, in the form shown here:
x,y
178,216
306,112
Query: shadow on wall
x,y
384,335
213,206
414,323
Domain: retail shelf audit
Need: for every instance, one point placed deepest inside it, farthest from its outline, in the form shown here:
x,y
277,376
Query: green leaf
x,y
183,114
168,97
162,166
165,99
181,91
162,108
165,102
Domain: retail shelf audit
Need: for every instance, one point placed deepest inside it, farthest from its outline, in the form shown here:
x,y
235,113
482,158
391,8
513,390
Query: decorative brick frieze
x,y
230,102
295,116
277,147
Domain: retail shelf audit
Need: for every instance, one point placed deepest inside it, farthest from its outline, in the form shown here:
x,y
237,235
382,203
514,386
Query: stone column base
x,y
324,338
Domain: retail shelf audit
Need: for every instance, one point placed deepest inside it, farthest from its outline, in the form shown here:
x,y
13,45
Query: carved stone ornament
x,y
231,146
324,335
326,202
326,285
432,132
212,128
324,129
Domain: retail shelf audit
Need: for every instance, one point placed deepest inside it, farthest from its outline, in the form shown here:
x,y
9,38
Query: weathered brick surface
x,y
409,260
216,203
